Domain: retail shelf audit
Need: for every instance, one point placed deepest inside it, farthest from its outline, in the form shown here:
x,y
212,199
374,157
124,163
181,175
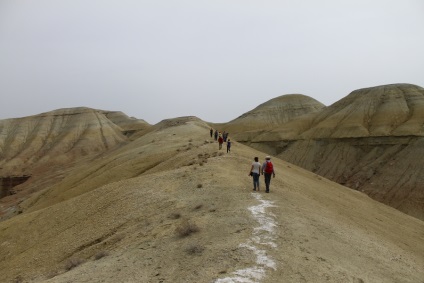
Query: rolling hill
x,y
163,204
371,140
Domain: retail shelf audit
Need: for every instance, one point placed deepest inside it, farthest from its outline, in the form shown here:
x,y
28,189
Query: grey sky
x,y
213,59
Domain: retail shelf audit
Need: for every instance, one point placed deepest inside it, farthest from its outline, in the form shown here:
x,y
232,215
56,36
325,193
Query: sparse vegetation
x,y
175,215
72,263
186,229
100,255
52,274
223,272
18,279
199,186
192,162
199,206
194,249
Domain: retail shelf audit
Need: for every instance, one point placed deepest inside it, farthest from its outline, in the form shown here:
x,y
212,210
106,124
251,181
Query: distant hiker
x,y
220,141
216,134
255,172
224,136
211,132
267,171
228,146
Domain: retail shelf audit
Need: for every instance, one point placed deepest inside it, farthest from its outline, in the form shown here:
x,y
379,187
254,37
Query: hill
x,y
269,115
40,149
371,141
168,206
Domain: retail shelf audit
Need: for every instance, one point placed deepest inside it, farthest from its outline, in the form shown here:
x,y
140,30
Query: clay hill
x,y
40,148
371,141
109,198
270,115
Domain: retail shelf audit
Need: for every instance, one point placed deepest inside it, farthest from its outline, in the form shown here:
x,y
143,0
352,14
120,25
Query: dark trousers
x,y
267,180
255,180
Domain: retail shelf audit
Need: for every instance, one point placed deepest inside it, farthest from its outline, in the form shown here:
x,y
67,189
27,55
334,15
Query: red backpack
x,y
269,167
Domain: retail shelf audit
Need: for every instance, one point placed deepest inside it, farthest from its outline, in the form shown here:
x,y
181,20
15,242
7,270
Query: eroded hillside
x,y
39,150
270,115
371,140
170,207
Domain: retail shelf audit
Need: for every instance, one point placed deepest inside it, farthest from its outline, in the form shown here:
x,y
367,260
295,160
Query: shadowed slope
x,y
132,230
371,140
129,125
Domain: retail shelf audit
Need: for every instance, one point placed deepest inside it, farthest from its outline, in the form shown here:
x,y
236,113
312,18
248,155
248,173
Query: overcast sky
x,y
214,59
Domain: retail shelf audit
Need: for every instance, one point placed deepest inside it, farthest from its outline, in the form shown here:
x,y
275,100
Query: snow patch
x,y
263,235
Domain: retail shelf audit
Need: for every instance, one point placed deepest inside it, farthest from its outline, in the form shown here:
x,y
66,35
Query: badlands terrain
x,y
96,196
372,141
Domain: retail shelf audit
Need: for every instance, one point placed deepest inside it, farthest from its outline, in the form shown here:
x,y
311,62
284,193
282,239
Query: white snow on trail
x,y
263,235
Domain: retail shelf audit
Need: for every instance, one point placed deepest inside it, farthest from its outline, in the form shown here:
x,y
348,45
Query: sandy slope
x,y
371,140
323,232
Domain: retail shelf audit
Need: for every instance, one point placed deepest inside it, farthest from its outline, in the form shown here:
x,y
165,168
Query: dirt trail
x,y
263,238
192,217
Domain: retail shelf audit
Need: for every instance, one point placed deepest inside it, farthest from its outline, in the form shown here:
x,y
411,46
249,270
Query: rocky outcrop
x,y
7,184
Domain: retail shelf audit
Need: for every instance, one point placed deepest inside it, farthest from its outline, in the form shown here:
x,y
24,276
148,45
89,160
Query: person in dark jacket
x,y
268,170
228,145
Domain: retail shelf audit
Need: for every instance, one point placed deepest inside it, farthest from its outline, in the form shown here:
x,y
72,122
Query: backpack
x,y
269,167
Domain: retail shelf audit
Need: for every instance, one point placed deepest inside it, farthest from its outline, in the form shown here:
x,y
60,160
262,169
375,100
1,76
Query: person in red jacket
x,y
267,171
220,141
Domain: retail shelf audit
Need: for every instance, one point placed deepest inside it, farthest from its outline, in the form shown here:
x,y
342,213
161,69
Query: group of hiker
x,y
266,169
221,138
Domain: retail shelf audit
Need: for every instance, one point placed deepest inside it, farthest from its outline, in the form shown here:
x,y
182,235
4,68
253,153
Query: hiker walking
x,y
226,136
267,171
216,134
228,145
255,172
220,141
211,132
